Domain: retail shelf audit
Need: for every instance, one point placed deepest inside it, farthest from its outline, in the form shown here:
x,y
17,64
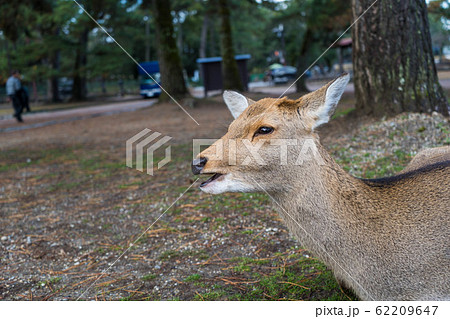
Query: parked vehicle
x,y
65,86
283,74
149,85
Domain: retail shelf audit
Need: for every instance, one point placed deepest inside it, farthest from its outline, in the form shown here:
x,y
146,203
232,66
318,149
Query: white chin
x,y
225,184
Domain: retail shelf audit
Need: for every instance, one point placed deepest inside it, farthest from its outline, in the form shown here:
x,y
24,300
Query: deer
x,y
428,156
383,239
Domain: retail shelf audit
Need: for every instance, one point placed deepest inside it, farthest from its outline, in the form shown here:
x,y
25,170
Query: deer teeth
x,y
209,180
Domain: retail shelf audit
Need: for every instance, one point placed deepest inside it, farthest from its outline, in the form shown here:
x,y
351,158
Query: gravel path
x,y
41,119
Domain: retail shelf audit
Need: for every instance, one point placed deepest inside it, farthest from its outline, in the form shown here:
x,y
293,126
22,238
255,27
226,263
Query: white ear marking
x,y
332,97
237,103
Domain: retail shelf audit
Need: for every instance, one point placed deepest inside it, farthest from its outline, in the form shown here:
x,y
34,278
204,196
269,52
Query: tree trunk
x,y
169,60
103,83
393,63
283,47
303,61
79,89
340,52
180,37
8,55
48,96
204,34
230,71
56,56
213,49
147,39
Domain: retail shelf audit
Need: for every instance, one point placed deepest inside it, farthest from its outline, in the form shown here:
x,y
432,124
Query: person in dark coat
x,y
24,100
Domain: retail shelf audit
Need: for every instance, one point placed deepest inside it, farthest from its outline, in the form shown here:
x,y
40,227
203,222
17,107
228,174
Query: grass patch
x,y
193,278
148,277
169,254
341,113
294,278
173,254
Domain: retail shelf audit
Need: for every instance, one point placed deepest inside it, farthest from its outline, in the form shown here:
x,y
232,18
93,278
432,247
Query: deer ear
x,y
237,103
322,103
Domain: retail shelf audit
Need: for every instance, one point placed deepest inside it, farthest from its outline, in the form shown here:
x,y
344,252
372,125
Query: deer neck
x,y
319,201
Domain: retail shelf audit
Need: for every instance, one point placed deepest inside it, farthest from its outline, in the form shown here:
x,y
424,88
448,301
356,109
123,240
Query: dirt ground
x,y
69,207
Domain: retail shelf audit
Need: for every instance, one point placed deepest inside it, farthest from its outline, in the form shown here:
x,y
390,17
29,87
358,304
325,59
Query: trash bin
x,y
211,72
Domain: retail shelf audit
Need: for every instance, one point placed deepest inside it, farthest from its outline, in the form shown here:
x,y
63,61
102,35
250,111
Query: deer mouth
x,y
216,176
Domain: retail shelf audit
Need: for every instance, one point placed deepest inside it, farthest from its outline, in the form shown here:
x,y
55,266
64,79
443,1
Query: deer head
x,y
269,142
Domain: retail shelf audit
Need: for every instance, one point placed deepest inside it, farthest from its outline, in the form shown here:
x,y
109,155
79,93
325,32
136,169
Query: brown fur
x,y
386,239
427,157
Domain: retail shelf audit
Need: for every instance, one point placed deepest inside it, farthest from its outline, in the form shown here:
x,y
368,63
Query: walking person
x,y
24,98
13,86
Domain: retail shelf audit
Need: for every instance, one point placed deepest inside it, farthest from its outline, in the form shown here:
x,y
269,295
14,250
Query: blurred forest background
x,y
63,54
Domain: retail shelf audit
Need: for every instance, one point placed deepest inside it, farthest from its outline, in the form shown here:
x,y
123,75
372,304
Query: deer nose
x,y
198,164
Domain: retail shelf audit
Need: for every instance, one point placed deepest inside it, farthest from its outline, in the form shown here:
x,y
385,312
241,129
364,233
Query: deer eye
x,y
263,130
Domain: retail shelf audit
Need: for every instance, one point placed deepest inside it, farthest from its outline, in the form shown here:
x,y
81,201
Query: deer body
x,y
378,239
386,239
